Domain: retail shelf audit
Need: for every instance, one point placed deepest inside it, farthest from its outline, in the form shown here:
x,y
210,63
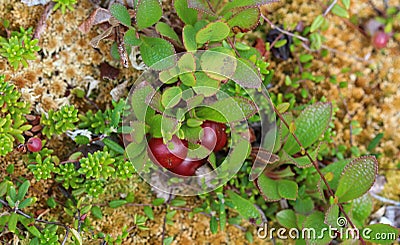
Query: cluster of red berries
x,y
175,158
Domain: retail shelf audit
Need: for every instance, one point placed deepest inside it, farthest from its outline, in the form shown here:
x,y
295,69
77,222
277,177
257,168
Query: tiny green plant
x,y
58,122
19,48
12,122
63,5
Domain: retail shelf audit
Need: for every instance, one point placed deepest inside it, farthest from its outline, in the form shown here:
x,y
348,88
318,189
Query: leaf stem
x,y
331,193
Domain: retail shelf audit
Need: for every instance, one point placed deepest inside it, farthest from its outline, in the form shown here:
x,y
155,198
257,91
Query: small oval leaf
x,y
357,178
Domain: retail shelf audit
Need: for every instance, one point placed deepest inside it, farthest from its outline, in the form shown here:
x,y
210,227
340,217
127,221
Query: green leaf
x,y
22,190
287,218
346,4
213,225
315,40
213,32
168,240
134,150
380,234
27,202
246,74
282,108
340,11
315,222
149,212
362,207
97,213
246,19
4,187
280,43
231,109
138,131
12,193
244,207
304,58
357,178
189,38
186,14
165,30
12,222
219,63
187,63
157,53
200,5
375,141
178,203
117,203
332,172
171,97
27,223
131,39
268,188
77,236
138,99
158,201
113,145
240,4
317,23
310,125
332,216
148,12
121,14
205,85
287,189
304,206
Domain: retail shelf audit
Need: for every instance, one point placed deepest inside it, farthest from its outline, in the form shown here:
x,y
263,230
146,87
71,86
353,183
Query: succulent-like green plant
x,y
49,235
97,165
58,122
68,175
64,5
94,187
12,122
102,122
19,48
42,163
123,169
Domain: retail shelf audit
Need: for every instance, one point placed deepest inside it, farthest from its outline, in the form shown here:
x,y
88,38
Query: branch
x,y
315,163
329,8
4,203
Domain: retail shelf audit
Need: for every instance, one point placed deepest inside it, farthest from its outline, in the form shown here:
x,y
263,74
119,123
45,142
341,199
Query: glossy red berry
x,y
34,144
168,157
188,167
380,39
214,136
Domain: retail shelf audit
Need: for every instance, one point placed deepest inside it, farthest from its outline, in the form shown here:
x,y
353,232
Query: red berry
x,y
212,130
168,158
380,39
34,144
188,167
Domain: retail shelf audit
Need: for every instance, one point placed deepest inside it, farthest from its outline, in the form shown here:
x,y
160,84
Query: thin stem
x,y
4,203
273,26
315,164
329,7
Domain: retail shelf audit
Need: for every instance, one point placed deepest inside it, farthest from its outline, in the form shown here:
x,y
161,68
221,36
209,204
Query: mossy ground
x,y
67,59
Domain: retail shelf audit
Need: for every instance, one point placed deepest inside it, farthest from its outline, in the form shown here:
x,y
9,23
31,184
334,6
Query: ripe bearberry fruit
x,y
380,39
214,136
188,167
34,144
168,157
